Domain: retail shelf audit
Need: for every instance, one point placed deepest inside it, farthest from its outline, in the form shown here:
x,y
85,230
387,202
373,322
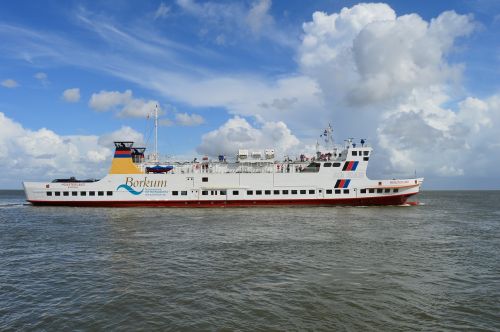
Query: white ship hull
x,y
239,189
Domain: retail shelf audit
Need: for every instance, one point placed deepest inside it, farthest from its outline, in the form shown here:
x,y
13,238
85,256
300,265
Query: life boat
x,y
159,169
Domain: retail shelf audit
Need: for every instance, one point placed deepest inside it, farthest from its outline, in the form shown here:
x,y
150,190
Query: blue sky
x,y
419,79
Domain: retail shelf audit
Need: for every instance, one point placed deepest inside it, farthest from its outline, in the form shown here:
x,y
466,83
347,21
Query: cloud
x,y
422,134
189,120
125,133
42,77
123,103
237,20
237,133
44,155
258,17
71,95
367,54
10,83
366,69
107,100
162,11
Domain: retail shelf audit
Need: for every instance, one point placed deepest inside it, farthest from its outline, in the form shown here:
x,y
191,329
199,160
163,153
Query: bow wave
x,y
130,189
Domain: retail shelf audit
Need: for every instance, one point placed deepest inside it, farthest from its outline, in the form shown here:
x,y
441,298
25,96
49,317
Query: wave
x,y
130,189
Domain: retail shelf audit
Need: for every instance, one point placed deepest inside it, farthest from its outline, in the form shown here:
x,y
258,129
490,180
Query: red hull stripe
x,y
349,167
377,200
341,184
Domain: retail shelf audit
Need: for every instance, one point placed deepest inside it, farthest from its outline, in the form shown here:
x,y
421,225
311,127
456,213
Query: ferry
x,y
333,176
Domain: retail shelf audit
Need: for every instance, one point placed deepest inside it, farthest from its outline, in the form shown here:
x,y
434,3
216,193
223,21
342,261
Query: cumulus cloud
x,y
123,103
367,54
10,83
71,95
394,72
237,133
107,100
125,133
43,154
422,134
185,119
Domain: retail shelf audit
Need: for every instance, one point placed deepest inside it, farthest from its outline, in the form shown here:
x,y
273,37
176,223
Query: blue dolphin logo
x,y
129,189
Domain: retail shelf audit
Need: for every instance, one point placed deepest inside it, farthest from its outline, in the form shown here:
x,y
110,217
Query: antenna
x,y
156,134
328,137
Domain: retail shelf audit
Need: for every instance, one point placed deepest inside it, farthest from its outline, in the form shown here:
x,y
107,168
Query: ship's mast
x,y
156,134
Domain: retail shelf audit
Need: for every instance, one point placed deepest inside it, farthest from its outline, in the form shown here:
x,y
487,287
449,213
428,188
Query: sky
x,y
417,79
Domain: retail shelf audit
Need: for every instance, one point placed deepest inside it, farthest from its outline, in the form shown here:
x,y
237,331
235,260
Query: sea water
x,y
435,266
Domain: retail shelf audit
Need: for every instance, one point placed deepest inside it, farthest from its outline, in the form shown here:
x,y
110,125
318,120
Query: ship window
x,y
57,193
222,192
302,192
355,153
366,153
83,193
49,193
175,193
213,192
267,192
337,191
327,165
236,192
396,190
284,192
387,190
346,191
204,179
336,165
100,193
363,191
294,192
204,192
311,191
371,191
258,192
365,158
74,193
65,193
276,192
249,192
329,191
380,190
109,193
91,193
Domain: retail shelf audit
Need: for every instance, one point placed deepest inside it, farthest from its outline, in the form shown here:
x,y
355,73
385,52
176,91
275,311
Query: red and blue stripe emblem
x,y
350,165
123,154
343,183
